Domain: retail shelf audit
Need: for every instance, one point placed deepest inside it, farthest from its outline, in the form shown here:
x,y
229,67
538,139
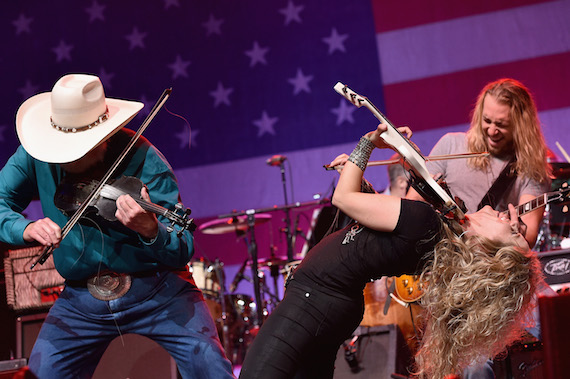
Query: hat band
x,y
101,119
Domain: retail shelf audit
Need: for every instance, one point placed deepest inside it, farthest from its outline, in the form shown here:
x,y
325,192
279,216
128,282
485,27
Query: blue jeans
x,y
302,335
163,307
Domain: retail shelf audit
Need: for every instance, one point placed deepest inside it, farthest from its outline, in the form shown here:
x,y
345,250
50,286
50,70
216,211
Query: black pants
x,y
302,335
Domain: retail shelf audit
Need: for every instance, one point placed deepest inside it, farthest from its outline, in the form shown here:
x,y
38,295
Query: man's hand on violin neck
x,y
134,217
44,231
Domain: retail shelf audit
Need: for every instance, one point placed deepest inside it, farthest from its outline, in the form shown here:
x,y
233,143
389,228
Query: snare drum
x,y
205,277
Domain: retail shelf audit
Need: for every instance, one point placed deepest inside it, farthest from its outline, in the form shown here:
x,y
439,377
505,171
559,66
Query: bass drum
x,y
241,322
206,275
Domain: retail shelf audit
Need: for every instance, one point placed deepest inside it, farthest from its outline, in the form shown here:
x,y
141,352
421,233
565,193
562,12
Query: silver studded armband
x,y
361,153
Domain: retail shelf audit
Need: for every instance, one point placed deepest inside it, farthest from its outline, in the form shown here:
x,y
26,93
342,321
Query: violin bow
x,y
428,158
97,190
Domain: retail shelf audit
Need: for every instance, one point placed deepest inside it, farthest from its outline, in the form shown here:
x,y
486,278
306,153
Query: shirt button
x,y
307,294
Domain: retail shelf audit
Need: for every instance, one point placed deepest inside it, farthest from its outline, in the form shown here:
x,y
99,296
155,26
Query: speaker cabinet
x,y
27,330
556,268
378,352
555,328
523,360
133,356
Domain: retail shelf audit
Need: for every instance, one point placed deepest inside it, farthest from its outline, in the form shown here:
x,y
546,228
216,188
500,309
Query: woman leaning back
x,y
480,276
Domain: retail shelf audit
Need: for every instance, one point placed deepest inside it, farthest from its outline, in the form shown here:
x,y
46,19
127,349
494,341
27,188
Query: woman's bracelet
x,y
361,153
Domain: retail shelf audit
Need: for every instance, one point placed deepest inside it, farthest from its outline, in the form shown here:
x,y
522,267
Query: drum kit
x,y
237,316
555,227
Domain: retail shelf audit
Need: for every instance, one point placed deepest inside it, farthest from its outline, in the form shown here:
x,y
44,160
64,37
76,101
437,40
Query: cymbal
x,y
232,224
274,261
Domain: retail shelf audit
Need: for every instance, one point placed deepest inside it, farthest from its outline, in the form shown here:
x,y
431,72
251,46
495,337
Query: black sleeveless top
x,y
343,262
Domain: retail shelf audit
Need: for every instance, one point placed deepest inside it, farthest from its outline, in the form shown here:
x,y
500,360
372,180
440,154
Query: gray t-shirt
x,y
470,184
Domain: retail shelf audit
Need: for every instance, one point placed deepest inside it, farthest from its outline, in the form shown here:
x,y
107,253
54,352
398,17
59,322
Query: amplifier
x,y
12,364
28,289
556,268
373,352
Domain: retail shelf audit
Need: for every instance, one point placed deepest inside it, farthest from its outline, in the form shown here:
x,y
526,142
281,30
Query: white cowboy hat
x,y
65,124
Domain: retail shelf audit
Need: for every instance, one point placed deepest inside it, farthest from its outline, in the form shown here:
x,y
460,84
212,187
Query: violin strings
x,y
114,193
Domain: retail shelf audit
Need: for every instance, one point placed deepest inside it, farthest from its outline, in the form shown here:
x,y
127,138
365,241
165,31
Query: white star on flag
x,y
257,54
265,124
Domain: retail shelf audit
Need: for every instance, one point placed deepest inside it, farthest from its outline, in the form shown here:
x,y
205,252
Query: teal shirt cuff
x,y
18,231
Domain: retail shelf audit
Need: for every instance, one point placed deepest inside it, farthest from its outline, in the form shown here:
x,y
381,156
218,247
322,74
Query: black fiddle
x,y
69,197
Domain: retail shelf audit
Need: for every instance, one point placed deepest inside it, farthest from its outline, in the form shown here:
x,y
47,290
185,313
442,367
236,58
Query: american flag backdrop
x,y
254,78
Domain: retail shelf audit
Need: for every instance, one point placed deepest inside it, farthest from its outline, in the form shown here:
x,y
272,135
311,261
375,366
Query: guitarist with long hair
x,y
505,123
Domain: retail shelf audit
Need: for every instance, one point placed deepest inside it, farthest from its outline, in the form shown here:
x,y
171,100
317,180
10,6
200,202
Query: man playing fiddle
x,y
122,276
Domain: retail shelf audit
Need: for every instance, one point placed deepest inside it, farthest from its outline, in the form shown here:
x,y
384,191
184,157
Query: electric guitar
x,y
421,179
408,287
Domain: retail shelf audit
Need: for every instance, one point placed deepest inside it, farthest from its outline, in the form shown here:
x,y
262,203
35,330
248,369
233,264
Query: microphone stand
x,y
287,228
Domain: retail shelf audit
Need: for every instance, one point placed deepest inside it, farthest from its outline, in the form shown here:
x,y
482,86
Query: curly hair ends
x,y
529,145
477,301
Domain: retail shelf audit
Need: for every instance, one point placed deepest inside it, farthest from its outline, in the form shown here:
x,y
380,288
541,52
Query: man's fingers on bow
x,y
44,231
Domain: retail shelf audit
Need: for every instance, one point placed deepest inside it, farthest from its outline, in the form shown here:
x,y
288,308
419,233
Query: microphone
x,y
276,160
239,276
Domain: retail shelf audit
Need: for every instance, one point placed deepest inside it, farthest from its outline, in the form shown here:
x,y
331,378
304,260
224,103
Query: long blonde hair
x,y
477,301
529,146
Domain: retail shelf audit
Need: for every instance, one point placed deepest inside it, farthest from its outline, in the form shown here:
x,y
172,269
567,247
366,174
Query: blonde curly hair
x,y
477,301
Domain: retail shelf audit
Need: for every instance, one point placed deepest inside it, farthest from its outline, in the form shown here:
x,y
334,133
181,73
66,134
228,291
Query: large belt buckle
x,y
109,285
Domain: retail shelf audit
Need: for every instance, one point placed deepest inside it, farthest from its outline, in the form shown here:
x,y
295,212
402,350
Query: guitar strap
x,y
500,187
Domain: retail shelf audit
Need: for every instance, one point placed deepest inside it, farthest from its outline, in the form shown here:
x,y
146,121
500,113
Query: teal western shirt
x,y
94,243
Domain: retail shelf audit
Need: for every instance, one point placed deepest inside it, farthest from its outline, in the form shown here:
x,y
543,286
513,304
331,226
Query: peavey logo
x,y
558,267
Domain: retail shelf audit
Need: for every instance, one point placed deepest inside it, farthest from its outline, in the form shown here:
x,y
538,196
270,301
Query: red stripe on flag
x,y
391,15
447,100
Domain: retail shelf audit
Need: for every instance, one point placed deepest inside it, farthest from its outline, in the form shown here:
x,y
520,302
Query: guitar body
x,y
409,288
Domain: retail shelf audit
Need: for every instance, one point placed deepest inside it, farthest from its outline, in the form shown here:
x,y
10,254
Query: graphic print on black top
x,y
354,230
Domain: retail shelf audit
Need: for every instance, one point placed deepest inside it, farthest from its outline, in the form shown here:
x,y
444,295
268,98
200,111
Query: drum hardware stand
x,y
544,241
252,244
252,250
287,228
274,271
224,317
